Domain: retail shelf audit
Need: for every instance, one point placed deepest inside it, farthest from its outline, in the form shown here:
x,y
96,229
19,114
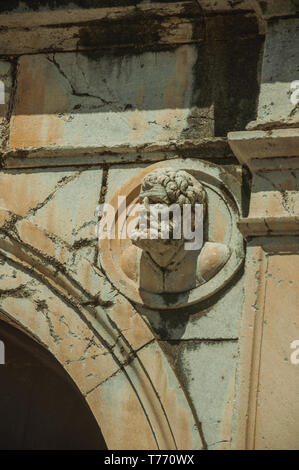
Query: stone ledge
x,y
26,15
265,226
31,12
130,29
277,8
211,148
249,146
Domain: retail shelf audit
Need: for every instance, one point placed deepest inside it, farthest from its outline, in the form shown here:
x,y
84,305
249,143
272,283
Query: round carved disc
x,y
118,255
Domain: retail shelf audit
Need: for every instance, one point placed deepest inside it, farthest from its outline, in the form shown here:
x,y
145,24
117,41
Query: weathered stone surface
x,y
280,327
141,279
174,399
62,202
112,334
116,88
218,318
70,211
118,175
206,147
274,199
6,69
52,322
225,5
83,7
236,77
73,26
37,10
141,99
276,107
276,8
103,33
108,412
208,370
25,191
266,390
115,28
257,148
275,196
10,277
131,323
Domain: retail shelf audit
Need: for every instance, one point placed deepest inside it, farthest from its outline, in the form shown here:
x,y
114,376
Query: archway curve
x,y
135,395
40,406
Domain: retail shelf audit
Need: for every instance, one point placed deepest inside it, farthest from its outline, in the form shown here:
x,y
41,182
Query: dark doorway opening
x,y
40,406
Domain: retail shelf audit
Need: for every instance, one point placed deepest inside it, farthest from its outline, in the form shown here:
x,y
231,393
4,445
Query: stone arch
x,y
40,406
106,347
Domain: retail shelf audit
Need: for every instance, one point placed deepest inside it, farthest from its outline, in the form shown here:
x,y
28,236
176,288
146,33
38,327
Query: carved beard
x,y
151,238
162,252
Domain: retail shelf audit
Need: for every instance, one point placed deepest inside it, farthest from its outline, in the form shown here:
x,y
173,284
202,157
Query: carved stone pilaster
x,y
267,401
268,398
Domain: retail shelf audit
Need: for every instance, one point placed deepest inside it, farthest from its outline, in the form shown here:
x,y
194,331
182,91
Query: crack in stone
x,y
83,242
70,332
75,231
74,91
41,306
20,292
61,183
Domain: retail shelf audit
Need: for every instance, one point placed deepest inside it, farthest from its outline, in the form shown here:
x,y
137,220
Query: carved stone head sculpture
x,y
182,244
168,192
163,263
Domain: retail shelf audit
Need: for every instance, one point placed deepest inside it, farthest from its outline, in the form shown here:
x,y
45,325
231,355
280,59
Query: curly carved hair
x,y
174,187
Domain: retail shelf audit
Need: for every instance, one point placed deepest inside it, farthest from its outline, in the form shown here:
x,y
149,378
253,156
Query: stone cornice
x,y
266,226
211,148
276,8
27,13
273,158
128,24
261,150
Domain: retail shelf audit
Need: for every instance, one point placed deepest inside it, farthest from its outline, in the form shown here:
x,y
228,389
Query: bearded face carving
x,y
165,193
174,235
161,260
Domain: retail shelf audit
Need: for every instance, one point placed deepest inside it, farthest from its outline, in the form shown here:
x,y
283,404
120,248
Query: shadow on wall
x,y
35,5
40,406
202,90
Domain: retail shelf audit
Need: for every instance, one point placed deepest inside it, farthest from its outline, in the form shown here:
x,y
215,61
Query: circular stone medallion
x,y
134,273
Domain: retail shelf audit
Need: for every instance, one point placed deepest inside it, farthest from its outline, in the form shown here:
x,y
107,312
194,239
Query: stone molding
x,y
212,148
127,355
267,399
149,24
272,157
254,148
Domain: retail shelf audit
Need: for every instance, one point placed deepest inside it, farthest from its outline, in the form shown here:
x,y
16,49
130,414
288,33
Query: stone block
x,y
208,370
172,398
68,100
216,318
118,175
26,191
280,71
124,406
69,210
6,70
